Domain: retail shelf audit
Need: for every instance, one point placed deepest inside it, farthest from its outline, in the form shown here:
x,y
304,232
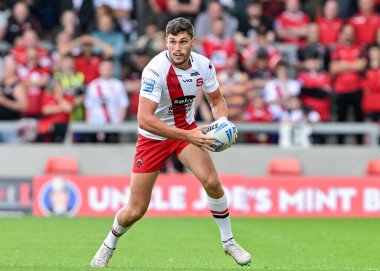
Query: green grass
x,y
191,244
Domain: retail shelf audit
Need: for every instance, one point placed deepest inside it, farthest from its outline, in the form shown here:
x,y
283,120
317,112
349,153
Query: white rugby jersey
x,y
174,89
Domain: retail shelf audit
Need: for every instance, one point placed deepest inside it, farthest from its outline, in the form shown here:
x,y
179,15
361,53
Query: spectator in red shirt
x,y
29,39
365,23
347,62
218,47
329,24
371,85
316,86
291,25
34,78
87,62
56,109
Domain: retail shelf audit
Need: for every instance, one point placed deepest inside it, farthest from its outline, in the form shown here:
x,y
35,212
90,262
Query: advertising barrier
x,y
15,196
182,195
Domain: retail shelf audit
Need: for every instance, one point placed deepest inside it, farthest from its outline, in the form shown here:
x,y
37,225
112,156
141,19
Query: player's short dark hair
x,y
179,25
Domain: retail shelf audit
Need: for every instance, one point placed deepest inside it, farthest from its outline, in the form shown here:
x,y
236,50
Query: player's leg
x,y
140,194
201,164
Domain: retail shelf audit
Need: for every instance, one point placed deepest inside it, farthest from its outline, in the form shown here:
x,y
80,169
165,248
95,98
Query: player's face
x,y
179,47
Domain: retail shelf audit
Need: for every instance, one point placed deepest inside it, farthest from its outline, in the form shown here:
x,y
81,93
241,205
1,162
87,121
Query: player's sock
x,y
115,233
219,211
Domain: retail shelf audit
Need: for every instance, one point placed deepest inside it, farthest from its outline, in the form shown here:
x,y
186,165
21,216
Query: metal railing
x,y
371,130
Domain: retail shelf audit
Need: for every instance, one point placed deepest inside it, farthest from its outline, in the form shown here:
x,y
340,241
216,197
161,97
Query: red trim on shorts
x,y
175,92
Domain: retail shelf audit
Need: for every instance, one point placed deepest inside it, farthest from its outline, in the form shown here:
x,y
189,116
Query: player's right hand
x,y
199,139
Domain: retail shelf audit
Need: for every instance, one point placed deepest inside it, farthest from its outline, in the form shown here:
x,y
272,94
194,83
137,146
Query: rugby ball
x,y
224,132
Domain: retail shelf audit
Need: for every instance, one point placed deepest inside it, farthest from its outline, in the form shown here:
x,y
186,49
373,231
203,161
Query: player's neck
x,y
183,66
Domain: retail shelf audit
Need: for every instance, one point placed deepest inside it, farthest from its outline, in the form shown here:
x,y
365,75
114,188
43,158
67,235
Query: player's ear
x,y
194,41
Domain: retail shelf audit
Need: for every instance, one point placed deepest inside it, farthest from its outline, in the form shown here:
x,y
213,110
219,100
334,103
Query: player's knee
x,y
213,187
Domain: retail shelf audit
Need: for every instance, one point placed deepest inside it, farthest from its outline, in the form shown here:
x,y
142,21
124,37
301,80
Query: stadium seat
x,y
284,166
61,165
373,167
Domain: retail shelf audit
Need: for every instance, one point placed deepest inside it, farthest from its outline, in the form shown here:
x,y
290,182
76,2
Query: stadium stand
x,y
284,166
62,166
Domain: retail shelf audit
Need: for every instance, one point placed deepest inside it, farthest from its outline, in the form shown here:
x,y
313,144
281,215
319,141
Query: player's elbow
x,y
143,122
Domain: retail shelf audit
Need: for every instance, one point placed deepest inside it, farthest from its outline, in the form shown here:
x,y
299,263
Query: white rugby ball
x,y
224,133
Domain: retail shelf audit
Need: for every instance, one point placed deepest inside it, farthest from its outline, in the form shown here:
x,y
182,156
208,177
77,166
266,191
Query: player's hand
x,y
199,139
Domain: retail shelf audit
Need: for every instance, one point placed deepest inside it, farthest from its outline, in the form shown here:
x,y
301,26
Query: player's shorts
x,y
152,154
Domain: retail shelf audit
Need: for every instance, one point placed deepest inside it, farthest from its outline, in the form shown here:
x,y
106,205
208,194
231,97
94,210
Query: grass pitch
x,y
191,244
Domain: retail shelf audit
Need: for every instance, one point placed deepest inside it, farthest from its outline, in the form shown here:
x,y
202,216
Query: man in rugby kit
x,y
166,126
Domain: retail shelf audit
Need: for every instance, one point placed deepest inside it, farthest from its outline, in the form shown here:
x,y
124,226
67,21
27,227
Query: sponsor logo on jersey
x,y
148,85
194,74
181,105
199,82
184,100
59,197
187,80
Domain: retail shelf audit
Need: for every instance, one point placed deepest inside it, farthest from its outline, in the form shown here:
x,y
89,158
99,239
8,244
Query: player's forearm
x,y
155,126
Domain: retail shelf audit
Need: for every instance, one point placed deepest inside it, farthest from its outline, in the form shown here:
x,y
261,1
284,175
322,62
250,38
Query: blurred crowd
x,y
286,61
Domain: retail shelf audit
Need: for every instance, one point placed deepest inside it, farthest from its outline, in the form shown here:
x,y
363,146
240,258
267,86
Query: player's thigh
x,y
202,166
141,189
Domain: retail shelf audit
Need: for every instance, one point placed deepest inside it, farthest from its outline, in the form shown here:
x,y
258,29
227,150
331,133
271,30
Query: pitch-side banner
x,y
182,195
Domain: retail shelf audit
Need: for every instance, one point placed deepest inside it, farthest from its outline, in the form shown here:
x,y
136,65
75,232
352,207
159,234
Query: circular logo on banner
x,y
59,197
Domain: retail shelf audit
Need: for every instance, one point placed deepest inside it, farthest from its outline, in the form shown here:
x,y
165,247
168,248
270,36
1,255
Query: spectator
x,y
160,12
329,24
258,111
371,85
366,23
134,65
84,11
235,89
122,11
291,25
115,39
19,21
106,102
87,61
68,23
187,9
62,40
262,74
278,91
294,130
250,52
203,22
249,26
30,40
72,83
347,62
4,15
13,100
57,106
313,47
152,40
217,46
34,78
273,8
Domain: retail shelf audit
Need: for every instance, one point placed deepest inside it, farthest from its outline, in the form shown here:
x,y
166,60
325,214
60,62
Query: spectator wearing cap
x,y
329,24
291,25
365,23
249,52
347,61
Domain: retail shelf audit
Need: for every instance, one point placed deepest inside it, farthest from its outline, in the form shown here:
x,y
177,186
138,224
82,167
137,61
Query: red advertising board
x,y
182,195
